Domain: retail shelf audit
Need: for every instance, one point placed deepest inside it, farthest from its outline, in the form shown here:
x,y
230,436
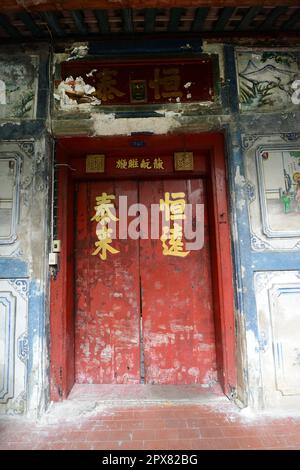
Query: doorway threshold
x,y
120,394
89,401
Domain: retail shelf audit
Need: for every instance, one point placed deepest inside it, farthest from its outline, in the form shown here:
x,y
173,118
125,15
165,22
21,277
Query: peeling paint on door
x,y
178,317
171,295
107,298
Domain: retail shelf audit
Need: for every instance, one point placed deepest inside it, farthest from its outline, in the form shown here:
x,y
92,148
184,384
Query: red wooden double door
x,y
142,315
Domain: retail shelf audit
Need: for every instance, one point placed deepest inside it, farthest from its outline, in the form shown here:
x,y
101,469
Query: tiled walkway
x,y
214,425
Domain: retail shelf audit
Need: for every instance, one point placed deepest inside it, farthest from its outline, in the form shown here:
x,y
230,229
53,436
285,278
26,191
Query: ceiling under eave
x,y
45,5
40,22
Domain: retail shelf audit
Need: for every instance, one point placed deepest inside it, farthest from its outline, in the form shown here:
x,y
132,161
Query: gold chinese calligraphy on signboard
x,y
173,205
166,83
106,85
104,214
144,164
142,81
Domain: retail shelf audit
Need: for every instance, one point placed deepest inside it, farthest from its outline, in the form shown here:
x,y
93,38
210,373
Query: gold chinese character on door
x,y
173,205
104,214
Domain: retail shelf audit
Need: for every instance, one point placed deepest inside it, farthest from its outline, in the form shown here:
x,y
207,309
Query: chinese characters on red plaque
x,y
167,81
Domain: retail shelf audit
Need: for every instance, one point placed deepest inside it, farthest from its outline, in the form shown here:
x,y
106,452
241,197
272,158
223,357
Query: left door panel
x,y
107,310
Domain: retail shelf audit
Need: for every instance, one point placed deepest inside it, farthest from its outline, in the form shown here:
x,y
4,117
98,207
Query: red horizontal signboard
x,y
146,82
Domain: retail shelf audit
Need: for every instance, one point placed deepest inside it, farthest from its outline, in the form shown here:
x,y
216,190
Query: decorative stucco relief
x,y
277,298
7,353
272,186
10,165
18,87
13,345
266,79
29,178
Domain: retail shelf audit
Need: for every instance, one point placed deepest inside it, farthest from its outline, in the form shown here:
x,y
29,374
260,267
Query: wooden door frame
x,y
62,286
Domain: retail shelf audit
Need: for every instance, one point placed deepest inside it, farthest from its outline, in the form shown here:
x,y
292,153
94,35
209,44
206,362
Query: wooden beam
x,y
224,17
127,20
199,19
9,28
249,16
53,23
128,46
78,19
272,17
292,22
149,20
102,18
30,24
48,5
174,22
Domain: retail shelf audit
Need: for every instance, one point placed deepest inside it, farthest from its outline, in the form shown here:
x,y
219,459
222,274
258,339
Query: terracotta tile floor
x,y
218,424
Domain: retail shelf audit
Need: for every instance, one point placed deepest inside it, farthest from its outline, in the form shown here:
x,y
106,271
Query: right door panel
x,y
177,307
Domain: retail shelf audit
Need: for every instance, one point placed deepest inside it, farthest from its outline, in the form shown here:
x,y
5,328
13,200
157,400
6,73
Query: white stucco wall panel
x,y
13,345
269,233
278,306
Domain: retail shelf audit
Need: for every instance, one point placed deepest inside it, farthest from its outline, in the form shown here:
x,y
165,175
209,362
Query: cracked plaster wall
x,y
24,278
28,256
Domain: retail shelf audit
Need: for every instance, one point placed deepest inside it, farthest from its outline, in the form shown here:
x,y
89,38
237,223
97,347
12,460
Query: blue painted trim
x,y
230,73
245,296
9,353
276,261
44,69
289,290
41,111
43,86
36,325
241,246
22,130
138,46
13,268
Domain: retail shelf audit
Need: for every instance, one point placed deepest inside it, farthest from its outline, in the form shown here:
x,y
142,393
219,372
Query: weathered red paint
x,y
62,296
176,303
211,165
177,307
107,296
222,268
